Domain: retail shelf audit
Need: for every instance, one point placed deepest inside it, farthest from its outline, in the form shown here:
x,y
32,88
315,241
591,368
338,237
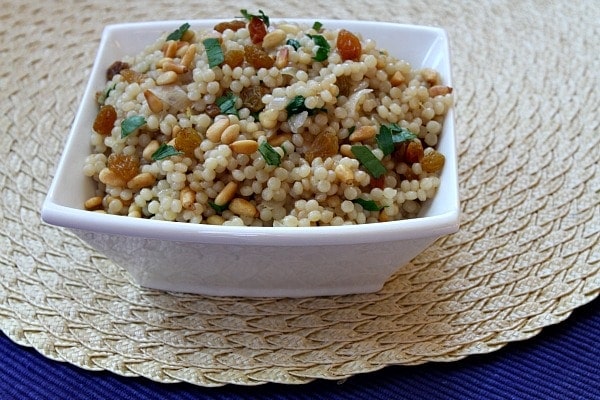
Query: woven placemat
x,y
526,76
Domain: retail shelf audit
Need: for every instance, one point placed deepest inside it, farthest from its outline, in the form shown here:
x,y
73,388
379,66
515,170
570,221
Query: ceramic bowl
x,y
253,261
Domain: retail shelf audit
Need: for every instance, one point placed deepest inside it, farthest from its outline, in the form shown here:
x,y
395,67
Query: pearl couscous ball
x,y
262,124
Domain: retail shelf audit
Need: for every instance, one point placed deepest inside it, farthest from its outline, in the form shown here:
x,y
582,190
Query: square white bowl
x,y
253,261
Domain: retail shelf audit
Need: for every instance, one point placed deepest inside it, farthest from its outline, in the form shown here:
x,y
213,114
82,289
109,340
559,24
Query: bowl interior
x,y
420,46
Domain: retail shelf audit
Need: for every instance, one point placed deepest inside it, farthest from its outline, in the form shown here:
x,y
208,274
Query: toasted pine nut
x,y
215,220
173,66
246,146
278,140
230,134
182,48
187,197
226,194
170,49
162,61
344,174
383,217
189,55
135,214
175,131
346,151
430,76
188,36
243,207
397,79
150,149
166,78
363,133
145,179
273,38
281,60
154,103
93,203
214,132
439,90
110,178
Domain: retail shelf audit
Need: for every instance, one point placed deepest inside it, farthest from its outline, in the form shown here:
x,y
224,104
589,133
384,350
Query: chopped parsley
x,y
366,157
219,209
296,106
131,124
270,155
264,18
178,33
165,151
399,134
294,43
368,205
227,104
317,26
214,52
322,47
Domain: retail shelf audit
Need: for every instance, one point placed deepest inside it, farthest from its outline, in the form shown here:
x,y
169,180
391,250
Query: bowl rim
x,y
416,228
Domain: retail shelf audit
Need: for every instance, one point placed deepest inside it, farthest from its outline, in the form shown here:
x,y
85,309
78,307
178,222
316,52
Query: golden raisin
x,y
105,120
344,84
414,151
131,76
257,30
233,25
252,97
234,58
324,145
187,140
348,45
257,57
433,161
125,166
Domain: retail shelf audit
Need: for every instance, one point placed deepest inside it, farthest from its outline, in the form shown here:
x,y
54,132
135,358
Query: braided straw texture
x,y
526,76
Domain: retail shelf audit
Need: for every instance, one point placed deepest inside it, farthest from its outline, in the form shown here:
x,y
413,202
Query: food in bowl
x,y
261,123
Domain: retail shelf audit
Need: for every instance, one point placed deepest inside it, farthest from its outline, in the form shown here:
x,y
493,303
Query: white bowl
x,y
253,261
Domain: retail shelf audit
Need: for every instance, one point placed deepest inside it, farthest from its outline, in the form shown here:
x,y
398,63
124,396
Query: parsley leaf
x,y
368,205
178,33
214,52
294,43
165,151
271,156
219,209
322,49
262,16
399,134
296,106
366,157
385,140
129,125
317,26
227,104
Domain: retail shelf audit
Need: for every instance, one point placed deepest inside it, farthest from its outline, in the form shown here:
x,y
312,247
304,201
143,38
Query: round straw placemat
x,y
526,76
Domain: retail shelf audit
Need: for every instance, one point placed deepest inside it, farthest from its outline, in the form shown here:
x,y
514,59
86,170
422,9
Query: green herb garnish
x,y
317,26
129,125
178,33
214,52
165,151
294,43
399,134
227,104
264,18
219,209
323,47
385,140
366,157
271,156
296,106
368,205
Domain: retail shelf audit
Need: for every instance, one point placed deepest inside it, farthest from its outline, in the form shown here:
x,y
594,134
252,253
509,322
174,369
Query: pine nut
x,y
187,197
439,90
166,78
108,177
397,79
278,140
281,60
93,203
170,49
150,149
175,131
246,146
243,207
214,132
230,134
189,56
154,103
344,174
346,151
226,194
145,179
181,49
173,66
363,133
188,36
273,38
215,220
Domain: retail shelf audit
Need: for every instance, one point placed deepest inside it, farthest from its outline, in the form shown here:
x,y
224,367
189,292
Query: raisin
x,y
433,161
324,145
105,120
187,140
212,110
257,29
252,97
131,76
344,84
413,152
348,45
115,68
257,57
377,182
233,25
234,58
125,166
